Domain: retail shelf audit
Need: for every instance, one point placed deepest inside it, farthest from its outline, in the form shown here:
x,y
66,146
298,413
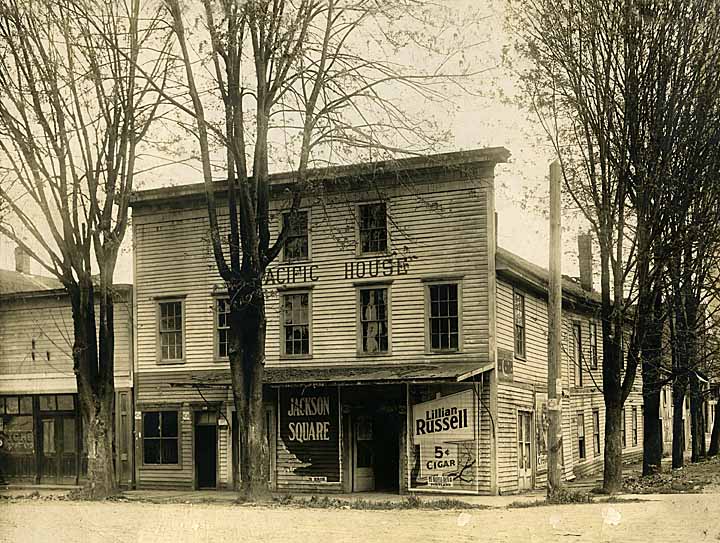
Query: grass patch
x,y
560,497
408,503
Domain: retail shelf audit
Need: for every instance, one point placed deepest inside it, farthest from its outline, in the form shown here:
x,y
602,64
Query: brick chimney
x,y
22,261
586,261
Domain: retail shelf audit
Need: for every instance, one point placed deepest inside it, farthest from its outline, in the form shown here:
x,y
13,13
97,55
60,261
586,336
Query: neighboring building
x,y
40,423
404,351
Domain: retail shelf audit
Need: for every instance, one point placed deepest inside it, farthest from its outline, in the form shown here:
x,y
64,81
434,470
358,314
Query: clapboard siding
x,y
441,233
48,321
530,374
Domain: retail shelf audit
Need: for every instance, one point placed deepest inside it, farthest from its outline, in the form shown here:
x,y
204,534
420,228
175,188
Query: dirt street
x,y
669,518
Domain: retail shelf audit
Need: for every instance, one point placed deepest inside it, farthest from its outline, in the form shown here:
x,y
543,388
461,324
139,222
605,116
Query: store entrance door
x,y
58,449
363,454
206,450
525,469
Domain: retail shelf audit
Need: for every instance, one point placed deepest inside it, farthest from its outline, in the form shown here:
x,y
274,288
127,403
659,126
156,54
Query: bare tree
x,y
616,85
72,116
316,73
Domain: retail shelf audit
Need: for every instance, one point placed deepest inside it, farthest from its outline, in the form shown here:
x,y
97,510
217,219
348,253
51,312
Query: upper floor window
x,y
577,354
444,317
171,330
160,437
593,346
581,435
373,228
596,432
222,327
519,318
297,243
374,320
296,324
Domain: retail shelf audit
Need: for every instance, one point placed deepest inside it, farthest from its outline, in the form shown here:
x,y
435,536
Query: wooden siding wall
x,y
439,225
156,391
441,234
48,321
530,378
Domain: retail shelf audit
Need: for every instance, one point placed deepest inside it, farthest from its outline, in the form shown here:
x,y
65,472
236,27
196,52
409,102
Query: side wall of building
x,y
524,389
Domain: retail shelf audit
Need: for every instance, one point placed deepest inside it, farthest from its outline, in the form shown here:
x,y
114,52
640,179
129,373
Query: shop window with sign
x,y
296,324
297,243
374,331
160,438
444,317
373,228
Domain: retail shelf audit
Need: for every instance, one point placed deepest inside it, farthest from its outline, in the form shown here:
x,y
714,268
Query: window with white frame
x,y
596,432
443,317
160,437
374,331
577,354
624,430
581,435
170,330
297,242
519,320
296,324
373,228
634,426
593,346
222,327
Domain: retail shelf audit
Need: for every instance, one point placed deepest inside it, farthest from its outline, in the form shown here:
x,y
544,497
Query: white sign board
x,y
446,419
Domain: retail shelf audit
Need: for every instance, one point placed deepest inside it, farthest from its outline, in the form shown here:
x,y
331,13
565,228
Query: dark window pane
x,y
69,438
11,405
169,451
151,424
65,402
26,407
151,451
169,424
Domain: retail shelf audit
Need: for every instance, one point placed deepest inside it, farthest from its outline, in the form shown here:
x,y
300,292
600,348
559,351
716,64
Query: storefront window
x,y
160,437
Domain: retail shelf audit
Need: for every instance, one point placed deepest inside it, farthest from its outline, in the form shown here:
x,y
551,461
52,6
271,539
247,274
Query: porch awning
x,y
366,374
448,372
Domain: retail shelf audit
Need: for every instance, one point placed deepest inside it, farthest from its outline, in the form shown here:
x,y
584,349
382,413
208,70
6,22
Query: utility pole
x,y
554,379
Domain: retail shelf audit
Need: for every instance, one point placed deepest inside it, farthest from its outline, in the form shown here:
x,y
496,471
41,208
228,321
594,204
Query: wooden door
x,y
363,473
59,449
524,448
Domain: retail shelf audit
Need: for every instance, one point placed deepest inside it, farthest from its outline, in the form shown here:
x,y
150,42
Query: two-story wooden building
x,y
40,423
404,350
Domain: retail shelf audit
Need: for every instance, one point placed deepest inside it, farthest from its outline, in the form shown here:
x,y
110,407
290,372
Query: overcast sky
x,y
475,121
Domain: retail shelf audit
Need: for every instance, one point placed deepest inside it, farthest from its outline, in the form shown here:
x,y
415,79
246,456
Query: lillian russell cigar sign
x,y
439,427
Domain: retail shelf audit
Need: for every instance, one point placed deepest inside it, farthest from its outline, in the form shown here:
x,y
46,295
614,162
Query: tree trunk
x,y
678,438
247,364
697,423
612,474
96,398
651,360
715,436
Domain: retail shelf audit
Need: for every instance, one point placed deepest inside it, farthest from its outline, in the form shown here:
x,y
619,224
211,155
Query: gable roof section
x,y
518,270
12,282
